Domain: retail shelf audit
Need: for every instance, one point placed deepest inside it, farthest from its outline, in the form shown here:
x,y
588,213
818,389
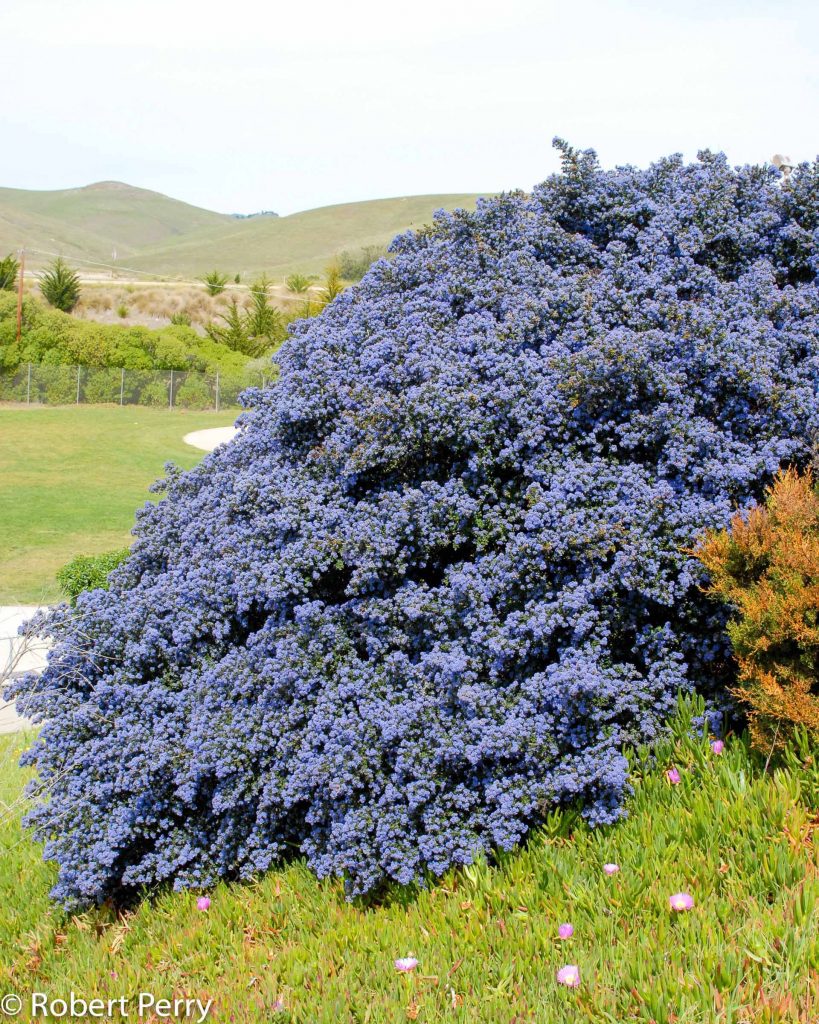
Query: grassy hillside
x,y
162,236
92,221
299,242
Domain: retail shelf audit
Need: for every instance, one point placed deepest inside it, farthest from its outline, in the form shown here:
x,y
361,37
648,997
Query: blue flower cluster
x,y
439,580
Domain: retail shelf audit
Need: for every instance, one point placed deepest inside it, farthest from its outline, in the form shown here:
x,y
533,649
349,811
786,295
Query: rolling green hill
x,y
300,242
158,235
91,222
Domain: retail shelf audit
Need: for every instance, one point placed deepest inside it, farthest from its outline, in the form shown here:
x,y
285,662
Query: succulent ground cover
x,y
440,581
487,940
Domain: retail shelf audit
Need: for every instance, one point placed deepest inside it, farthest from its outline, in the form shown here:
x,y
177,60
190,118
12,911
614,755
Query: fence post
x,y
28,386
217,391
79,371
170,394
122,386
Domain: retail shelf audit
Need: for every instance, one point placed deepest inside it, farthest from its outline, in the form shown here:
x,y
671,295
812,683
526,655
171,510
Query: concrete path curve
x,y
17,657
207,440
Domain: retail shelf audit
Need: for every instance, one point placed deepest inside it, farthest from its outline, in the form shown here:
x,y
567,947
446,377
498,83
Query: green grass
x,y
739,840
72,478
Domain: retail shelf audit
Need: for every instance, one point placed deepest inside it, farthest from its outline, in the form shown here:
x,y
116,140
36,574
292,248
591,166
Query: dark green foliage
x,y
215,282
253,331
88,572
60,286
181,319
54,338
194,393
232,332
9,268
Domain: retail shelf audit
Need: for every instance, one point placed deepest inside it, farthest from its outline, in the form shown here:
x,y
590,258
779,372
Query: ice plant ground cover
x,y
739,841
438,582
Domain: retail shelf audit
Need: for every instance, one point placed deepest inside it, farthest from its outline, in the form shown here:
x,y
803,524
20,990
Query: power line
x,y
96,263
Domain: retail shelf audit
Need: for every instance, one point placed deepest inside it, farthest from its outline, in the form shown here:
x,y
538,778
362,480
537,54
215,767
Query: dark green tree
x,y
253,331
215,282
9,268
264,323
233,329
60,285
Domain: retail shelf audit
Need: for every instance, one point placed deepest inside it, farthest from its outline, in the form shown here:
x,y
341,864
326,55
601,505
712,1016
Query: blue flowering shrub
x,y
438,581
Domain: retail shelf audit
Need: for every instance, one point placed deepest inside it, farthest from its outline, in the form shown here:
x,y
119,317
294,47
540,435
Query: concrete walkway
x,y
17,657
207,440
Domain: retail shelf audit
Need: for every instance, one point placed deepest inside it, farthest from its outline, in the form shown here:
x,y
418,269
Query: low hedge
x,y
89,572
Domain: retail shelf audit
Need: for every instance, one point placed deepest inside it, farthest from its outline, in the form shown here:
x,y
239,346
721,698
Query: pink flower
x,y
718,746
569,975
203,903
406,963
681,901
673,776
565,931
611,869
279,1006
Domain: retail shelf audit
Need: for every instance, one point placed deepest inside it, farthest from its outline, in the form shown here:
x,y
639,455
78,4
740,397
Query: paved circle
x,y
209,439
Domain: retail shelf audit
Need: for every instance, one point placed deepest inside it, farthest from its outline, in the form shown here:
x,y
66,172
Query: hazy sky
x,y
244,106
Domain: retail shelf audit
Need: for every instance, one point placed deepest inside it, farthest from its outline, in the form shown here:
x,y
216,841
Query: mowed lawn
x,y
71,479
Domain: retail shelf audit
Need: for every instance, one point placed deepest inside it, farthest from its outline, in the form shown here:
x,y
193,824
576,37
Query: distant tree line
x,y
260,213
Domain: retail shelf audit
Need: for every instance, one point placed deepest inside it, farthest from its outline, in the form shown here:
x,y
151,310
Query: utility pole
x,y
20,295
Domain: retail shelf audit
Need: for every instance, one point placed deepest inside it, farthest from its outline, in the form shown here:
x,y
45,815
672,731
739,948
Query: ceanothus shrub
x,y
438,581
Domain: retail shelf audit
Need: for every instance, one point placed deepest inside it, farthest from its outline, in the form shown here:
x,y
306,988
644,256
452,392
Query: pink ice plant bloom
x,y
718,746
279,1006
565,931
681,901
611,869
406,963
673,776
569,975
203,903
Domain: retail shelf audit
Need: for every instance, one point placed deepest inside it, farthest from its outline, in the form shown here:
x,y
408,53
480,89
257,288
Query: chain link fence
x,y
35,384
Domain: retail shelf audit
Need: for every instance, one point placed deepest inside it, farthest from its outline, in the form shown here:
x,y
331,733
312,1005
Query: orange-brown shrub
x,y
766,564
